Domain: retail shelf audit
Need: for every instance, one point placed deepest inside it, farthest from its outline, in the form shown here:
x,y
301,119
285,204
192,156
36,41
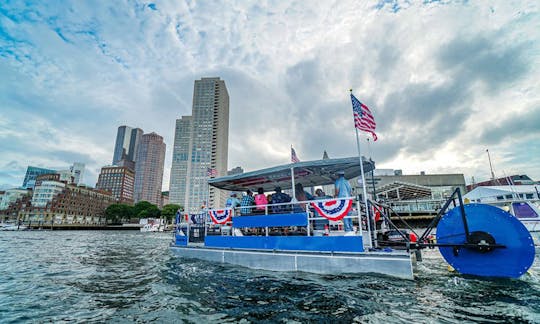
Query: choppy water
x,y
132,277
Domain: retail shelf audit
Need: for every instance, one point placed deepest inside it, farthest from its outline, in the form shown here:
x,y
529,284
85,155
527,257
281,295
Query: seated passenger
x,y
247,201
302,196
280,198
232,201
319,224
260,201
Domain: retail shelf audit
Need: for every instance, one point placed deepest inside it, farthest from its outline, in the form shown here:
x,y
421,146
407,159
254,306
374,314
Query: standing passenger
x,y
343,189
232,201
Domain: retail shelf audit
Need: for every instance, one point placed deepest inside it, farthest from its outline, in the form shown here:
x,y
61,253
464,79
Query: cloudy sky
x,y
445,80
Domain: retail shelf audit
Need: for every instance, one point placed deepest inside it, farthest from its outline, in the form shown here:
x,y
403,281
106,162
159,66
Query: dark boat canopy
x,y
308,173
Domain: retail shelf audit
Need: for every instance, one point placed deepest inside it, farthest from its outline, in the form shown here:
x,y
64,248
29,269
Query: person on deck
x,y
232,201
320,223
343,189
247,202
301,196
280,198
261,201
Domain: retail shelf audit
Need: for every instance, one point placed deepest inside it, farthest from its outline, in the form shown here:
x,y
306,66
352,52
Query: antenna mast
x,y
490,166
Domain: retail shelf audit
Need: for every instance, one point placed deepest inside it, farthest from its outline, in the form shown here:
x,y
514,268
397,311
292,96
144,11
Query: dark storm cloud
x,y
418,104
514,127
482,58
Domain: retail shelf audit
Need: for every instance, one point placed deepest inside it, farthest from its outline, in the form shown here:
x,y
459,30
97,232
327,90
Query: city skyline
x,y
444,81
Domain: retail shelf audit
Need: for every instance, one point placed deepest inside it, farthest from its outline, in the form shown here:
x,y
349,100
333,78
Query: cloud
x,y
442,78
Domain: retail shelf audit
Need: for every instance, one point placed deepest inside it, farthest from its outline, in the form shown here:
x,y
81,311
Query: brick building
x,y
119,181
54,201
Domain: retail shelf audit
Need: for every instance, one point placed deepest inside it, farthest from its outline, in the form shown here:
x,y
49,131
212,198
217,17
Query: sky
x,y
445,80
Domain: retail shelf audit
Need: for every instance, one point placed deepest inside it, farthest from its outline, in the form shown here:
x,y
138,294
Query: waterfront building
x,y
31,174
127,142
201,147
11,201
149,163
119,181
72,175
11,195
57,202
77,171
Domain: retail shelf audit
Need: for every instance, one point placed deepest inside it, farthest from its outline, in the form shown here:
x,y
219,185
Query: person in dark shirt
x,y
280,198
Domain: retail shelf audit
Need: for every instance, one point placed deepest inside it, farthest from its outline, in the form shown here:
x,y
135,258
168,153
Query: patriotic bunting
x,y
220,216
333,210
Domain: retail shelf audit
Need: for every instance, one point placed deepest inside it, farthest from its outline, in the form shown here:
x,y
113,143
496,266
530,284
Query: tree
x,y
169,211
144,209
117,213
140,206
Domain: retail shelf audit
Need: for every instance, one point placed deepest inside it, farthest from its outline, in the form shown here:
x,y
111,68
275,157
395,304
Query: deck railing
x,y
271,222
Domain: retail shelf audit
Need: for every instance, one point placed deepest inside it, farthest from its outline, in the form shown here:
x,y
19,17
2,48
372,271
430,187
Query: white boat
x,y
152,225
519,200
287,240
12,227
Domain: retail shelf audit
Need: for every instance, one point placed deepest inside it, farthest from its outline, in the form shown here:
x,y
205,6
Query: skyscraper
x,y
179,175
149,168
206,147
127,140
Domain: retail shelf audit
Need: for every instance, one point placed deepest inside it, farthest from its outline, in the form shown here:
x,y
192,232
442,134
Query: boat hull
x,y
394,264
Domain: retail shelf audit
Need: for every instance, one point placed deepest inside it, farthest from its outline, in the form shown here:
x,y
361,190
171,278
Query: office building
x,y
180,157
205,152
119,181
149,163
31,175
127,141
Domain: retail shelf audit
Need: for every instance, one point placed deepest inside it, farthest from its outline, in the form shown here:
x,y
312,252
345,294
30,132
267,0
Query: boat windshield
x,y
524,210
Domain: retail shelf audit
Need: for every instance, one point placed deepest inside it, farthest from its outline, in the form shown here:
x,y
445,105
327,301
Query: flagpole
x,y
292,179
363,187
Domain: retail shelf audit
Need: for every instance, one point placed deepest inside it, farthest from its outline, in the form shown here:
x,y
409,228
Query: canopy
x,y
399,190
308,173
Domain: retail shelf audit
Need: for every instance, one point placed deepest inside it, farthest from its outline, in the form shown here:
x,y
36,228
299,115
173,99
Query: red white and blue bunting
x,y
333,210
220,216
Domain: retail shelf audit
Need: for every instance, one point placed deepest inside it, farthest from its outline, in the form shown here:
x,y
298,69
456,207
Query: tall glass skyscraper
x,y
201,144
127,141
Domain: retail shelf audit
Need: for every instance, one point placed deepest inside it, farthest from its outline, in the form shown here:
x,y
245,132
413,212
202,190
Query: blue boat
x,y
292,240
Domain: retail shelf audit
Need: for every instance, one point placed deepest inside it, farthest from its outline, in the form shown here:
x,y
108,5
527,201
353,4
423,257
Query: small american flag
x,y
294,158
363,119
211,172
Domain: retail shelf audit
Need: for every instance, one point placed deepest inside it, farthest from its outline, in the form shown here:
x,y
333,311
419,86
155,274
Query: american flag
x,y
211,172
363,119
294,158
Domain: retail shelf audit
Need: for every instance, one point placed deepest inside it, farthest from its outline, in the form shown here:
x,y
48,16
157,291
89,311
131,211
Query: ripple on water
x,y
127,276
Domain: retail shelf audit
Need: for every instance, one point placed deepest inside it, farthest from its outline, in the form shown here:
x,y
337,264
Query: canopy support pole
x,y
292,182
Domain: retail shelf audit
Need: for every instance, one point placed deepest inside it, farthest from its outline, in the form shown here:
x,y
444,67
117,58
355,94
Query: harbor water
x,y
107,276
